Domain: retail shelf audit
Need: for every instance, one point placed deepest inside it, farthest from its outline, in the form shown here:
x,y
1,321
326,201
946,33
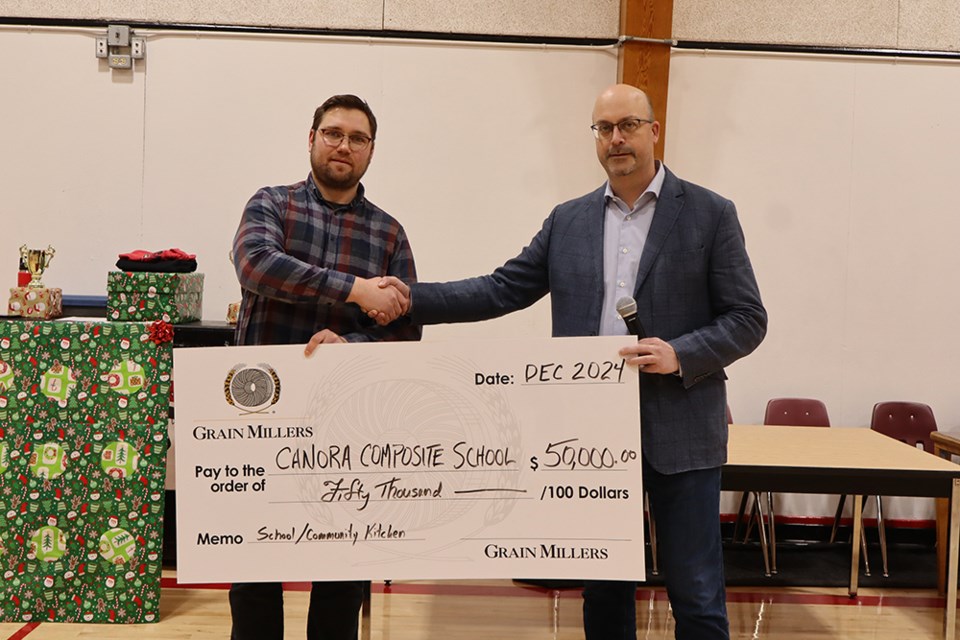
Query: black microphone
x,y
627,310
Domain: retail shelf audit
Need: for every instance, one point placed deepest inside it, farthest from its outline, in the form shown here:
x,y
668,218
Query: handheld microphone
x,y
627,310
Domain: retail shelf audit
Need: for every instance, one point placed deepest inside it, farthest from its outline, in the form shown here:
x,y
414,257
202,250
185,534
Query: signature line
x,y
493,489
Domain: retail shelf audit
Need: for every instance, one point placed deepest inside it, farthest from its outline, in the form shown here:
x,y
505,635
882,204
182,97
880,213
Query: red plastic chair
x,y
793,412
796,412
909,422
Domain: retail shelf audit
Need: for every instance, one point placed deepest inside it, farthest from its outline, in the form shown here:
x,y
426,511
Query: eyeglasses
x,y
334,137
627,126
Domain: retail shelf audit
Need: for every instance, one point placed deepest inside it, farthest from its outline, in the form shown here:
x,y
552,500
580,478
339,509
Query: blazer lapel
x,y
596,211
665,217
593,220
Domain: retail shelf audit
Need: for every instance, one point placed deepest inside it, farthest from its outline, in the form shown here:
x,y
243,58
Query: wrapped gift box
x,y
147,296
41,303
83,419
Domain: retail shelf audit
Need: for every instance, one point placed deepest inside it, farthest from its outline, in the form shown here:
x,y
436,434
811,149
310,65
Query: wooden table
x,y
854,461
944,445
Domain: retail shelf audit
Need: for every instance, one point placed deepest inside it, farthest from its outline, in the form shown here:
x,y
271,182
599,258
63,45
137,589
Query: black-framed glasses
x,y
627,126
334,137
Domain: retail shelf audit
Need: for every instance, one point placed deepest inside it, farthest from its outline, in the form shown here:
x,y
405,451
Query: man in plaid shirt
x,y
308,257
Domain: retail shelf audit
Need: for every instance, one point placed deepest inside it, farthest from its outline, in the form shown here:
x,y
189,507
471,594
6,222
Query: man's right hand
x,y
382,303
395,284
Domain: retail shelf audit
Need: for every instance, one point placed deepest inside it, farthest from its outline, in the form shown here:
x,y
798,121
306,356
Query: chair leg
x,y
753,517
756,515
863,546
773,532
740,511
652,525
836,518
758,505
863,534
883,537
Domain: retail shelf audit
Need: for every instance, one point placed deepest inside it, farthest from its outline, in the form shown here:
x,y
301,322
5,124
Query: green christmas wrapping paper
x,y
83,419
146,296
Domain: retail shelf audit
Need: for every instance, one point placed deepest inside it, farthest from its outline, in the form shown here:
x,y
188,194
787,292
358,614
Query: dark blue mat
x,y
820,564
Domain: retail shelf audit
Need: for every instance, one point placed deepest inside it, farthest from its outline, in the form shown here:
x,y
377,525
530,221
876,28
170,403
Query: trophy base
x,y
40,303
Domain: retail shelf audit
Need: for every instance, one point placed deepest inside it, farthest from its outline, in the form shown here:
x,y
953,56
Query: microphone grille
x,y
626,306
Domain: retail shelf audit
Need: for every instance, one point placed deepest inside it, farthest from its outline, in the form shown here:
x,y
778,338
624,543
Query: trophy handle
x,y
49,251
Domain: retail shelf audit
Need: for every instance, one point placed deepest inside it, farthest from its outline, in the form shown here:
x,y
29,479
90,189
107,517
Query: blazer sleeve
x,y
516,285
740,320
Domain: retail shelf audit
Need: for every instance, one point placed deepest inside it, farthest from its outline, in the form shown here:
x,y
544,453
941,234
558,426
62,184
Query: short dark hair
x,y
346,101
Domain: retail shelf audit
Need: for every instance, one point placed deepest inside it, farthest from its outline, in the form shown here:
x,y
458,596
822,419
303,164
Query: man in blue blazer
x,y
678,249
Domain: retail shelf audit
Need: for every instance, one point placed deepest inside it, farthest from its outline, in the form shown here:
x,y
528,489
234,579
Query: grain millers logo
x,y
253,388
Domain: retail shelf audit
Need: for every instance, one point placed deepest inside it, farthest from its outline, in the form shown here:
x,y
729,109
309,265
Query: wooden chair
x,y
909,422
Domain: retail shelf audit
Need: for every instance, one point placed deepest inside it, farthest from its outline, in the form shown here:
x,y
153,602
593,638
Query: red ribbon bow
x,y
161,332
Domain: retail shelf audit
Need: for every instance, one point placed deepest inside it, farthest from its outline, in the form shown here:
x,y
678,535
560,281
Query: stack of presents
x,y
83,444
147,286
162,285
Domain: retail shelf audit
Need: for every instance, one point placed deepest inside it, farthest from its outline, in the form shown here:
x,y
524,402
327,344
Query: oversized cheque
x,y
476,459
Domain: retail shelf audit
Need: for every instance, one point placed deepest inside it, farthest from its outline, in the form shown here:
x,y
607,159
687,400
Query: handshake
x,y
382,299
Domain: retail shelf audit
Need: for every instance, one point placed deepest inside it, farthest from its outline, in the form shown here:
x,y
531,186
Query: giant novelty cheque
x,y
474,459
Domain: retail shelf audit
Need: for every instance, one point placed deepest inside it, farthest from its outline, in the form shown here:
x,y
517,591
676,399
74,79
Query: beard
x,y
334,175
329,177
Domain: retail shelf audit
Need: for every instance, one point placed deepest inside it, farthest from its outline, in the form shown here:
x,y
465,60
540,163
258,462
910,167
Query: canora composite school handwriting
x,y
372,455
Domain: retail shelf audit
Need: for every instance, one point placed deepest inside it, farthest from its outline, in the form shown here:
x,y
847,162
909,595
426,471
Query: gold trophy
x,y
37,262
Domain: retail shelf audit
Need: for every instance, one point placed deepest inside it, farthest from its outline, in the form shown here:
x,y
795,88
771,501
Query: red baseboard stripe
x,y
826,521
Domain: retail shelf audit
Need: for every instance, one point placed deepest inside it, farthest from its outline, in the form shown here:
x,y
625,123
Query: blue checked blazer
x,y
695,289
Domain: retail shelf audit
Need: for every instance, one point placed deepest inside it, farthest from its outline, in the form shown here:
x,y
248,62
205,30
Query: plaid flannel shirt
x,y
297,255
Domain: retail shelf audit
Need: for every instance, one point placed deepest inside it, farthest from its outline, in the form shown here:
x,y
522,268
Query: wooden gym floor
x,y
497,610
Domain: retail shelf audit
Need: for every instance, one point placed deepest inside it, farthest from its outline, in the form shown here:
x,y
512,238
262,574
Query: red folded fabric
x,y
139,255
176,254
153,256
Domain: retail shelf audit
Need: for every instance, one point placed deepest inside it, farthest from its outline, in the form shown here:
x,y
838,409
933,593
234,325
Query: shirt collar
x,y
654,187
356,203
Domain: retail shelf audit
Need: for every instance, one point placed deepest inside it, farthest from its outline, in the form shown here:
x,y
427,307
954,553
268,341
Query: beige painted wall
x,y
843,172
582,19
897,24
900,24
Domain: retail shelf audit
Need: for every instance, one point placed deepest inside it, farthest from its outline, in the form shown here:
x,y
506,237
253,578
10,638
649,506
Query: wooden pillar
x,y
647,64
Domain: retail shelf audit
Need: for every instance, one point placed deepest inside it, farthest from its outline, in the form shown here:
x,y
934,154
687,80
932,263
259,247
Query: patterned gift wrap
x,y
83,418
40,303
147,296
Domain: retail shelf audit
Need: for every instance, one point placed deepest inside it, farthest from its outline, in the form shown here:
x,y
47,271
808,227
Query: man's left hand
x,y
652,355
322,337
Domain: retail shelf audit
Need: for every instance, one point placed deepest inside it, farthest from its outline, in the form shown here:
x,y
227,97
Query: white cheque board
x,y
474,459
